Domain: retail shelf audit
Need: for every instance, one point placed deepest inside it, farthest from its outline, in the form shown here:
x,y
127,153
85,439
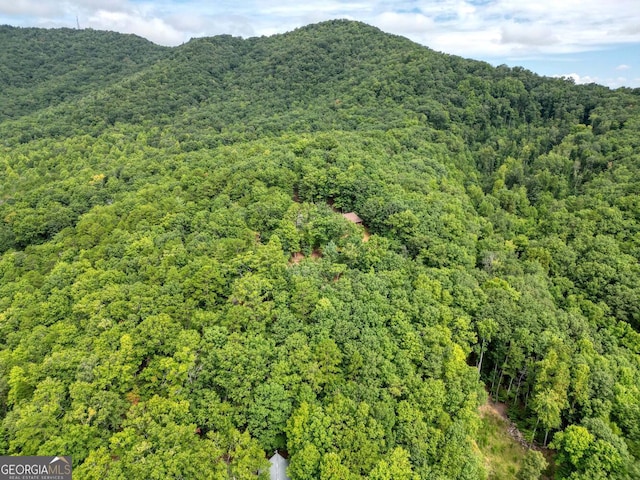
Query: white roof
x,y
278,470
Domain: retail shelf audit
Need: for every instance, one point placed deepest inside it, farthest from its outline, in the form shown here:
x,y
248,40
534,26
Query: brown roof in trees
x,y
352,217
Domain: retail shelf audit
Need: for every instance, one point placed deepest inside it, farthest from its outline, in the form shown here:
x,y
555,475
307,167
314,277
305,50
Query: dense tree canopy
x,y
180,296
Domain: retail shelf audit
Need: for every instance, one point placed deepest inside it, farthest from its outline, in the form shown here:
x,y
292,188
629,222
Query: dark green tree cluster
x,y
180,296
42,68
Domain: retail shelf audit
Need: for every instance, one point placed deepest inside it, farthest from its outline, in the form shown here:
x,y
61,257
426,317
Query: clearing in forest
x,y
502,454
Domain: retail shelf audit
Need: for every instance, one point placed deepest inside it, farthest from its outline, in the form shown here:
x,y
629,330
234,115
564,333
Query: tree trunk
x,y
509,389
522,373
533,436
506,361
481,355
493,378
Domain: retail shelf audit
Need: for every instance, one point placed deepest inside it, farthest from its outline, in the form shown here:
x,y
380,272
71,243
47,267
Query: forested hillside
x,y
180,295
40,68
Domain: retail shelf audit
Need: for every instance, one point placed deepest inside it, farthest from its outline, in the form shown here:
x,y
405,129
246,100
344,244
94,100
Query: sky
x,y
587,40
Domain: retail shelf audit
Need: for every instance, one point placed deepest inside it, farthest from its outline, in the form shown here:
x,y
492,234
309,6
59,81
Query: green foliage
x,y
180,296
592,450
533,465
43,68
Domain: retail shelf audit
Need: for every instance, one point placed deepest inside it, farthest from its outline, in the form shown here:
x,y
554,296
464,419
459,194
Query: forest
x,y
180,295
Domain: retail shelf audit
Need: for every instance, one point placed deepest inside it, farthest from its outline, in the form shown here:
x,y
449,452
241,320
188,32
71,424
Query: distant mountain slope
x,y
40,68
336,74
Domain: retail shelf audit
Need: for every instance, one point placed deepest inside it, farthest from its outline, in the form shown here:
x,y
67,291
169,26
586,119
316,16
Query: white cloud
x,y
609,81
44,11
296,8
467,44
623,67
534,35
579,79
513,28
153,28
30,7
404,23
203,25
498,27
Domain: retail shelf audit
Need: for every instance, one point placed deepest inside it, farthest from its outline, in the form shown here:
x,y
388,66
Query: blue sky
x,y
588,40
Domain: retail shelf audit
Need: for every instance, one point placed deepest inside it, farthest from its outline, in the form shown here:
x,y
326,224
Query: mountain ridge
x,y
76,58
287,74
